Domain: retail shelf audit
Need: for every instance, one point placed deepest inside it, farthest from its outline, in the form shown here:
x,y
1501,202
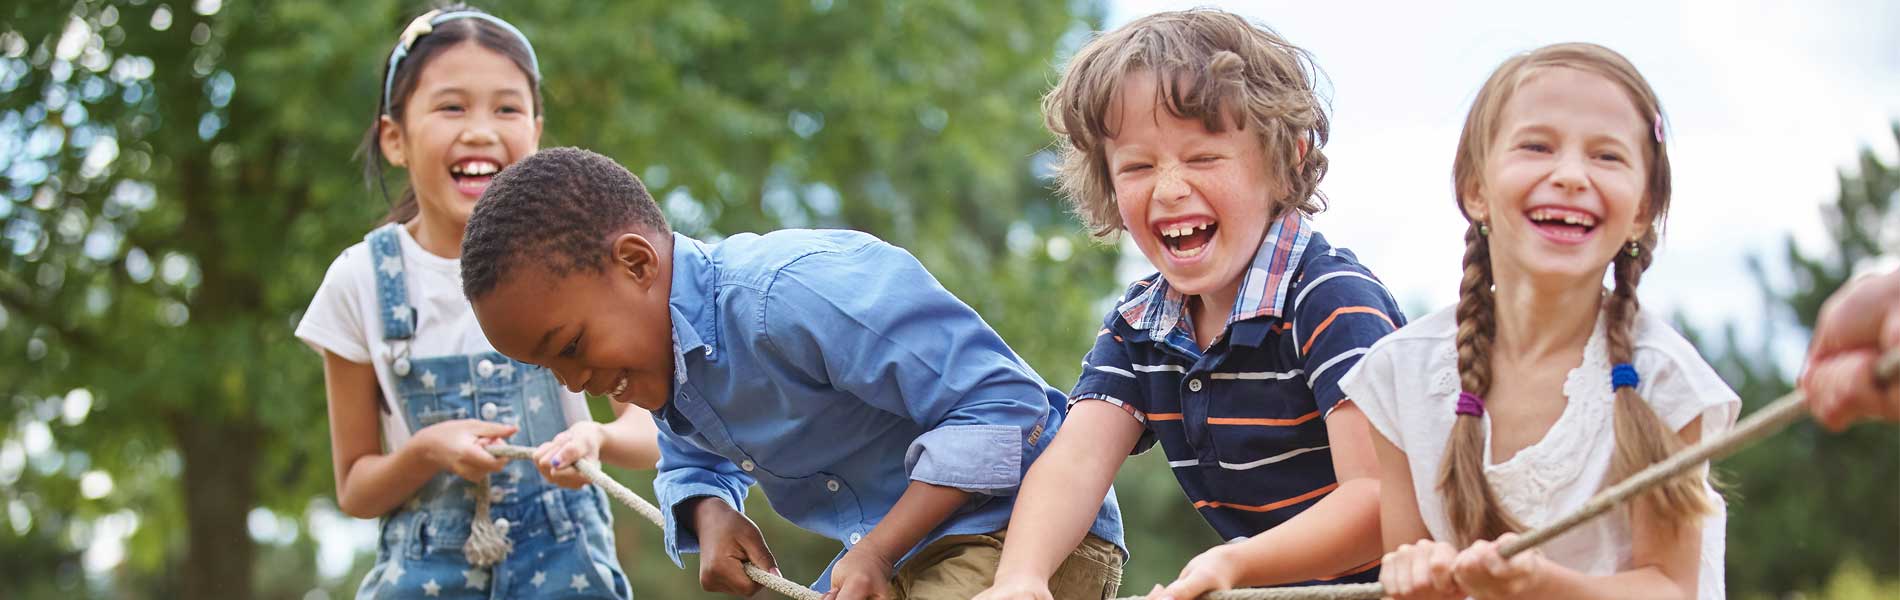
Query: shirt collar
x,y
691,299
1263,289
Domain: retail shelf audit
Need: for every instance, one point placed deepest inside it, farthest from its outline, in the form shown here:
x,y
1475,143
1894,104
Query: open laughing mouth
x,y
619,388
1187,239
472,175
1562,224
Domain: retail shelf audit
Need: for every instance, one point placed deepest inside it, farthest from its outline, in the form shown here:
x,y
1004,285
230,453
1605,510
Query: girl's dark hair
x,y
408,72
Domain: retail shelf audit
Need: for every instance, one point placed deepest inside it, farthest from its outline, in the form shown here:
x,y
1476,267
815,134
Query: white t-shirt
x,y
343,318
1407,386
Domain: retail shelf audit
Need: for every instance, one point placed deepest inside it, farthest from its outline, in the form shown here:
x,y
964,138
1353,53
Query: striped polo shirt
x,y
1243,423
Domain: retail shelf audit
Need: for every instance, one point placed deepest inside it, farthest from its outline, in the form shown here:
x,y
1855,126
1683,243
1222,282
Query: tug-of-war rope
x,y
486,545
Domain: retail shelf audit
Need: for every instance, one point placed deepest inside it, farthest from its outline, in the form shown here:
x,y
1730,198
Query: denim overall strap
x,y
392,294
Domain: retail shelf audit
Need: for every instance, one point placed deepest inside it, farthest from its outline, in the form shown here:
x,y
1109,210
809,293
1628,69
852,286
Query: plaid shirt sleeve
x,y
1337,317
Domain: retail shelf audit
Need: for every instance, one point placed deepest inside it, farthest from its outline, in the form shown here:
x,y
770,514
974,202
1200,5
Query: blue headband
x,y
426,23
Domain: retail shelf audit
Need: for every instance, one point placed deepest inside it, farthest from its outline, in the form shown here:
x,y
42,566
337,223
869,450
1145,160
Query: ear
x,y
537,131
1645,217
1476,207
389,136
637,257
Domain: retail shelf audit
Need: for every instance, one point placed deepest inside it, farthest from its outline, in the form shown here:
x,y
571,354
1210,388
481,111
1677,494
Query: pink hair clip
x,y
1657,118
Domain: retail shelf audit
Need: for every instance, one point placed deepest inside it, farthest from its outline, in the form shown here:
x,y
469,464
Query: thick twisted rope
x,y
1760,424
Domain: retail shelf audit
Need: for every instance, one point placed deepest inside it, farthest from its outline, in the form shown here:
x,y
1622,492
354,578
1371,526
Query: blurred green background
x,y
176,178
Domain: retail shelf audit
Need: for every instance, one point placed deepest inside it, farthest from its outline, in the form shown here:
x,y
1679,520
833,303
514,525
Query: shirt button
x,y
485,368
832,485
489,411
745,465
856,537
1194,385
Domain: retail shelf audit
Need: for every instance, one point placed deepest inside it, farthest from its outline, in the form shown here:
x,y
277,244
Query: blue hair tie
x,y
1623,375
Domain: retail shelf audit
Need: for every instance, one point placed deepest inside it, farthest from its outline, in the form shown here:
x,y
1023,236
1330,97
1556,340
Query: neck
x,y
1210,311
1541,318
437,234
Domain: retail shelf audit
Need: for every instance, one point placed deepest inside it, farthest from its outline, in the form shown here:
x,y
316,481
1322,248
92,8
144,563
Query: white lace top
x,y
1407,385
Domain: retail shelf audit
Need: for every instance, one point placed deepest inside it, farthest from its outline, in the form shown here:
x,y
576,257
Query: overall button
x,y
502,524
489,411
485,368
1194,385
832,485
746,465
401,367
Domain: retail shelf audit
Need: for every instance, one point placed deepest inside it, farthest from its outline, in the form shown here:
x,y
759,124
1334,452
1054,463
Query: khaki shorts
x,y
959,567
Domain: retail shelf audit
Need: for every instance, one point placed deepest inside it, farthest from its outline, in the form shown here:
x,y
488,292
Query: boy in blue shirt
x,y
1198,135
828,367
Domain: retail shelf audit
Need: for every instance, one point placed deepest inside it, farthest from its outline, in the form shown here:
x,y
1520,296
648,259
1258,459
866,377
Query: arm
x,y
629,441
1337,535
1075,471
1664,563
866,570
370,483
1415,566
700,494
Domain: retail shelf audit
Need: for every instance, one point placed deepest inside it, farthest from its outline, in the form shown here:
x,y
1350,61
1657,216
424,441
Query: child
x,y
1858,323
828,367
1540,388
403,355
1198,134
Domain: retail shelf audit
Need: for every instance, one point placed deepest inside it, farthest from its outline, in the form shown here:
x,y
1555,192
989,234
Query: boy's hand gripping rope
x,y
1760,424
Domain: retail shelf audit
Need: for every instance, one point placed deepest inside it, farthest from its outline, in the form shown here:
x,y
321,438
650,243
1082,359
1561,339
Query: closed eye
x,y
1134,168
1610,156
1202,160
1538,147
573,346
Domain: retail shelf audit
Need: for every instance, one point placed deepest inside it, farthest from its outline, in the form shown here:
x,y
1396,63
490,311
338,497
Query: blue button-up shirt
x,y
831,369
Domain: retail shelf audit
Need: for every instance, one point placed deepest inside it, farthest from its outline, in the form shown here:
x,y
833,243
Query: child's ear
x,y
635,256
389,136
1475,206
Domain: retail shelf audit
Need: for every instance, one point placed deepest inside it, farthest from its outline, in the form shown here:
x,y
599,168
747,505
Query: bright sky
x,y
1764,100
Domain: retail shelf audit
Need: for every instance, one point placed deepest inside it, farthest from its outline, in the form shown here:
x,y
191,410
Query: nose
x,y
479,132
574,382
1568,174
1170,184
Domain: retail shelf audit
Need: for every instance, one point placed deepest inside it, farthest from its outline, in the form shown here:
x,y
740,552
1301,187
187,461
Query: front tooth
x,y
1203,227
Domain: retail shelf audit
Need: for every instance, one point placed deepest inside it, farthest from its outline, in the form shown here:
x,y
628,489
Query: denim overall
x,y
563,539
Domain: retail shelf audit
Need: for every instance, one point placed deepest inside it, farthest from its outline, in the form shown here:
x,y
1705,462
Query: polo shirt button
x,y
745,465
1194,385
489,411
485,368
832,485
855,538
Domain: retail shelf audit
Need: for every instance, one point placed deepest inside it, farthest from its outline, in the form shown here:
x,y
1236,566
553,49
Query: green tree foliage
x,y
1805,502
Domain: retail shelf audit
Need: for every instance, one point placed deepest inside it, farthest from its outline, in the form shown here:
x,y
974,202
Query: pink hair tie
x,y
1470,404
1657,118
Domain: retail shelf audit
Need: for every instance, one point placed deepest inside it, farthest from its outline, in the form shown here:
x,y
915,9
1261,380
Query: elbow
x,y
355,508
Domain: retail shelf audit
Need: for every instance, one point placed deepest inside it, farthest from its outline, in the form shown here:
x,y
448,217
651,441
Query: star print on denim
x,y
580,583
432,588
540,577
477,579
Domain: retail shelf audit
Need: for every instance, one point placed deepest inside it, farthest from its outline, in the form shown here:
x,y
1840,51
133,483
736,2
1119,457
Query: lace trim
x,y
1526,483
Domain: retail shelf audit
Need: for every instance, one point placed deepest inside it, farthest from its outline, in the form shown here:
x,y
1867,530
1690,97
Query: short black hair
x,y
557,208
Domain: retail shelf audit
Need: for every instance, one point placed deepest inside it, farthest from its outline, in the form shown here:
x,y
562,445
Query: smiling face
x,y
1564,183
607,333
470,115
1196,202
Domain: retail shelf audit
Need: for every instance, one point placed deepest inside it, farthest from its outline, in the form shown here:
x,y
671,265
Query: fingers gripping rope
x,y
1761,424
591,469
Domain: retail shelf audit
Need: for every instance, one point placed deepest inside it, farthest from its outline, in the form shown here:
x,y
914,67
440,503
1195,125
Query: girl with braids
x,y
1540,388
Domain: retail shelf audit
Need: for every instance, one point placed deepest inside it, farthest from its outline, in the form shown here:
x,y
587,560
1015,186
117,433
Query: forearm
x,y
919,511
1051,515
630,440
1335,535
375,484
1558,582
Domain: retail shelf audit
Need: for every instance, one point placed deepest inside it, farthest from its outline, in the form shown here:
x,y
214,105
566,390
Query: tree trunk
x,y
220,464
